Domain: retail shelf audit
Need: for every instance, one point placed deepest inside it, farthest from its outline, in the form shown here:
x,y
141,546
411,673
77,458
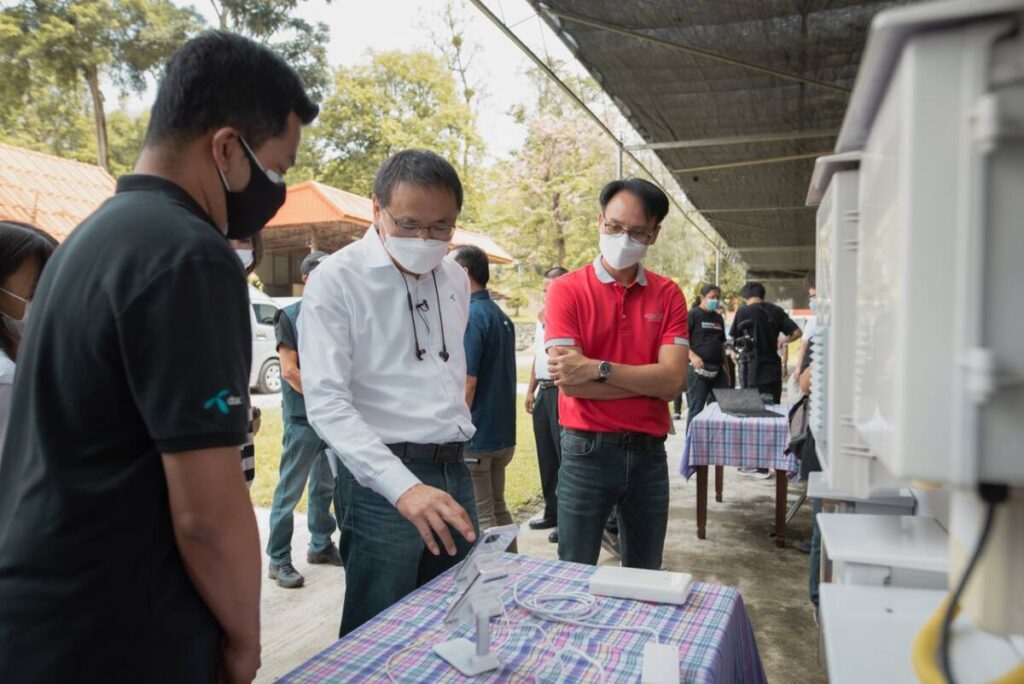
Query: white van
x,y
265,375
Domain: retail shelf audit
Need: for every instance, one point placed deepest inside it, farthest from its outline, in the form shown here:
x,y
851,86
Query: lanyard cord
x,y
437,296
412,317
420,352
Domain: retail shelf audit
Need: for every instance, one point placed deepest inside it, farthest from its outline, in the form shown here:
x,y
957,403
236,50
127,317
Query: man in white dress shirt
x,y
384,371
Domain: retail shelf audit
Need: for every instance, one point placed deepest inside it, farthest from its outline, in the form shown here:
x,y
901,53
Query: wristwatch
x,y
604,369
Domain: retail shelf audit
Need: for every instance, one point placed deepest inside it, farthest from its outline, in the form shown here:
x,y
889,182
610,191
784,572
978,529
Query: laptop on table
x,y
743,403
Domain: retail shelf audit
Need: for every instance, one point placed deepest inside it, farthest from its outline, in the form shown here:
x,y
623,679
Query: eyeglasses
x,y
405,229
641,235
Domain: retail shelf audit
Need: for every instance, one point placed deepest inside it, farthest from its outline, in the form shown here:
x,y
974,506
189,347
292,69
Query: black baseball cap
x,y
311,261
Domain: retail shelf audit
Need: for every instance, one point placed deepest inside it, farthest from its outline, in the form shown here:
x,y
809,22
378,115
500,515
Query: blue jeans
x,y
594,478
385,557
302,459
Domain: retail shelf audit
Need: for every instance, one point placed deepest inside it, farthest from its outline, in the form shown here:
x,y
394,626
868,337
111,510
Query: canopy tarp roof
x,y
730,82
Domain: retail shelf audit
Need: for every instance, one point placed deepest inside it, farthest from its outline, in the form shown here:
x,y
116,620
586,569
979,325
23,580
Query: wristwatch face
x,y
604,370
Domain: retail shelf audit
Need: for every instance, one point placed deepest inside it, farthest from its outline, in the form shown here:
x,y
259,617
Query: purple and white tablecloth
x,y
716,439
712,631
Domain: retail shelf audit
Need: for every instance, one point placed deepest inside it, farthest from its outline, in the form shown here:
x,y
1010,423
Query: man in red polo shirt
x,y
618,347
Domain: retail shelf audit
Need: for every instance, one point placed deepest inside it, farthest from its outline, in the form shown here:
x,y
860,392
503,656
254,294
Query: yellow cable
x,y
924,654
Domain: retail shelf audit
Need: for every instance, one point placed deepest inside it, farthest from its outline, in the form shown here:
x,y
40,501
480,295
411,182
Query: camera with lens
x,y
745,342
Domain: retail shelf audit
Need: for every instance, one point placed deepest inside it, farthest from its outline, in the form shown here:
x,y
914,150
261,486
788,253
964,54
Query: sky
x,y
358,26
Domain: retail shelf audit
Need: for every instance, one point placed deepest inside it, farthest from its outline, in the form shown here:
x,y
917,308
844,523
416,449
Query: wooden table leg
x,y
702,500
781,491
719,482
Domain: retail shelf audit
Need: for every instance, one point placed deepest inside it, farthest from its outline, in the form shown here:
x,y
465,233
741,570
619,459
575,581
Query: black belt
x,y
452,452
638,441
546,384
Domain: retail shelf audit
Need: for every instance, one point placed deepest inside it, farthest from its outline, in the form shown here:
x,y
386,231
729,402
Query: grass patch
x,y
522,479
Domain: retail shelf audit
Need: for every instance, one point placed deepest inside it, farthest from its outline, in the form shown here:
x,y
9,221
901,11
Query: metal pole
x,y
718,265
618,166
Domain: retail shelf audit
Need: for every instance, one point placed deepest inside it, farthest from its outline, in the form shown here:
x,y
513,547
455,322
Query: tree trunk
x,y
92,77
559,222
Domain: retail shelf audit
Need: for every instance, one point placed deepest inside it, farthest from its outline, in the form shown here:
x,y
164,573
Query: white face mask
x,y
416,255
245,256
621,251
13,324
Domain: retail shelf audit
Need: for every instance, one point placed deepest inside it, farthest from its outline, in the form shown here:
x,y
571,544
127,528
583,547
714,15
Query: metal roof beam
x,y
697,52
752,162
735,140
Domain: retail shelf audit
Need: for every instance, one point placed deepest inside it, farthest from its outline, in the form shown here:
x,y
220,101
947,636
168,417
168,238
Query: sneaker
x,y
677,416
286,575
553,537
610,543
330,555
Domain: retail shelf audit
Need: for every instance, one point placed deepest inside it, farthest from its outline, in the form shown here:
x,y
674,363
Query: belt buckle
x,y
632,440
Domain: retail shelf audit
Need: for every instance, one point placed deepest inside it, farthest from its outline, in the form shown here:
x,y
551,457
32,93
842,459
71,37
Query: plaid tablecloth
x,y
713,632
719,440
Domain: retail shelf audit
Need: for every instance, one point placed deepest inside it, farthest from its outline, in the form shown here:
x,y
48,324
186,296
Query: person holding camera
x,y
707,369
756,330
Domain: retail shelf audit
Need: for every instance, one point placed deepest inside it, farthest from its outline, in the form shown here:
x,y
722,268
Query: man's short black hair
x,y
220,79
555,272
474,260
654,200
416,167
752,289
810,281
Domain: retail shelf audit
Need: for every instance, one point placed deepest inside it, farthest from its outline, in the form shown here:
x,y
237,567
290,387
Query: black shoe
x,y
677,416
553,537
286,575
330,555
542,524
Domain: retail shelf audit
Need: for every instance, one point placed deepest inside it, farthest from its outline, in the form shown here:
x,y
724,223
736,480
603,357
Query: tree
x,y
397,100
542,202
272,22
69,42
460,56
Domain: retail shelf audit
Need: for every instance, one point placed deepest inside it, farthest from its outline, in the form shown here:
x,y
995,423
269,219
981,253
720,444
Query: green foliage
x,y
272,22
66,44
395,101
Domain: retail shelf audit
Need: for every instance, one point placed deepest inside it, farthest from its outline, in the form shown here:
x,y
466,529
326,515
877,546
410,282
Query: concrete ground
x,y
299,623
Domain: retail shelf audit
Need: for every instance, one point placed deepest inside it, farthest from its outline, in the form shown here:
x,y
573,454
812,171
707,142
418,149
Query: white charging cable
x,y
586,606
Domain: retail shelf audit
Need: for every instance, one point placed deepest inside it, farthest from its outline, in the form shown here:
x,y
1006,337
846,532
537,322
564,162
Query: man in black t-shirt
x,y
129,551
707,351
765,322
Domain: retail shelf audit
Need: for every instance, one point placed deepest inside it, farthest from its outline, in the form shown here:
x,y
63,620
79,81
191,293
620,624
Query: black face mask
x,y
250,209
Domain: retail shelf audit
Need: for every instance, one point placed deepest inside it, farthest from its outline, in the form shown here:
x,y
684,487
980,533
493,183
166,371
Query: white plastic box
x,y
938,391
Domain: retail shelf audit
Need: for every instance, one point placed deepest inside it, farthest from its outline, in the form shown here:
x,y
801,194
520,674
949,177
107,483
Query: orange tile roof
x,y
313,202
52,193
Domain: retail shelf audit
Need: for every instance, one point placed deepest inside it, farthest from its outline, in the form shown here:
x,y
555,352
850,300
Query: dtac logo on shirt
x,y
222,402
655,317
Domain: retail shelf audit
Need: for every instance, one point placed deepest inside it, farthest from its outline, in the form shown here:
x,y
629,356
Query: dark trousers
x,y
698,391
771,389
547,433
385,557
596,477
